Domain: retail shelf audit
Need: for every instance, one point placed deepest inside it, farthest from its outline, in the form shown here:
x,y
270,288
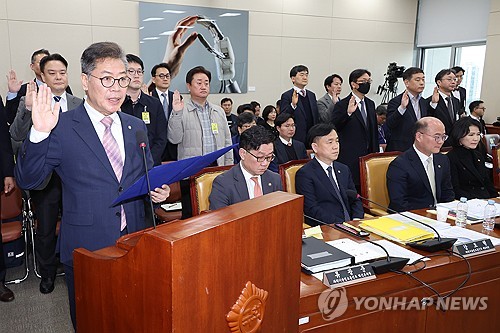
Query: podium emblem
x,y
247,313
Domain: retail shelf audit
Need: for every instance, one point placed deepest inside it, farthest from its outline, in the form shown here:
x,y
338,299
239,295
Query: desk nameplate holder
x,y
348,275
474,247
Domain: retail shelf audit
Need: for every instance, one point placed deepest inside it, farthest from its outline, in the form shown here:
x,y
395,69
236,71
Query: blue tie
x,y
57,99
337,191
165,105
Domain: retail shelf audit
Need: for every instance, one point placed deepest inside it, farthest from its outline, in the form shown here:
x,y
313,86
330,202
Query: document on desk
x,y
396,250
396,230
475,207
464,235
361,251
432,222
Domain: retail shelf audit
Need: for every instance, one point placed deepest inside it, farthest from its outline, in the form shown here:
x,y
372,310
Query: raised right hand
x,y
28,101
177,102
351,108
12,83
435,95
405,99
44,116
295,98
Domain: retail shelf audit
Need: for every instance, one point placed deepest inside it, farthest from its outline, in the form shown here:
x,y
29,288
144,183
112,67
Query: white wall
x,y
326,35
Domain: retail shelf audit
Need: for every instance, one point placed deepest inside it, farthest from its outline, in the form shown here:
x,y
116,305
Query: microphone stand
x,y
142,145
379,266
429,245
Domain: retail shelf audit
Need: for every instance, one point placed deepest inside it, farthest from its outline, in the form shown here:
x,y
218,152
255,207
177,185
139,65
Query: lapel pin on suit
x,y
439,166
129,127
269,184
338,171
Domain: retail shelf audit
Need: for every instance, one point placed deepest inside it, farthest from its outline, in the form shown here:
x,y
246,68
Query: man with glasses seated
x,y
443,105
420,177
250,178
145,107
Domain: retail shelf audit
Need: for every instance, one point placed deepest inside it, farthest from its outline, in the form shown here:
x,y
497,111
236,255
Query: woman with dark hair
x,y
469,176
269,114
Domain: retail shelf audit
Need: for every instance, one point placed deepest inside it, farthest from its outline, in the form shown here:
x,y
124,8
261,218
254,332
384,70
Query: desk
x,y
490,129
442,273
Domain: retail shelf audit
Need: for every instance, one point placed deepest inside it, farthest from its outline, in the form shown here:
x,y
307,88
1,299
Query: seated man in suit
x,y
420,177
323,181
243,122
249,178
285,148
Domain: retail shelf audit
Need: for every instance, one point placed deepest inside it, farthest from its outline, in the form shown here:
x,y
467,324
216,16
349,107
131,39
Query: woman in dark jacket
x,y
269,115
469,176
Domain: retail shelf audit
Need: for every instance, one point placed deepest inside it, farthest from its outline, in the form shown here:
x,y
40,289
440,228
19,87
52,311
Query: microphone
x,y
379,266
430,245
142,138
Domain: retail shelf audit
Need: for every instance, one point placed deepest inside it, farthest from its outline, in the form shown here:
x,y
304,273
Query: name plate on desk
x,y
348,275
474,247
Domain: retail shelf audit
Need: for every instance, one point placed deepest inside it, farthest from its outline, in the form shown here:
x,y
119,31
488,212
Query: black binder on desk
x,y
318,256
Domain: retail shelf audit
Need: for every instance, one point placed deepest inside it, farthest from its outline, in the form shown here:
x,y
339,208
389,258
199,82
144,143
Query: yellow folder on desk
x,y
396,230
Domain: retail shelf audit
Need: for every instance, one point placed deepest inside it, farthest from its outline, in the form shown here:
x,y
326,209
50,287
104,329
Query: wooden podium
x,y
232,270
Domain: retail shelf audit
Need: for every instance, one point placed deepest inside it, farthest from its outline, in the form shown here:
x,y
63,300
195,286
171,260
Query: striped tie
x,y
115,158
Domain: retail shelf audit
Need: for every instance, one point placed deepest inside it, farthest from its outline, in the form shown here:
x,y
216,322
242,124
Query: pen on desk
x,y
351,226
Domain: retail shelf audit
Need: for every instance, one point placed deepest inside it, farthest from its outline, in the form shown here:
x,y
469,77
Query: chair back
x,y
11,204
496,167
200,187
287,173
373,171
490,141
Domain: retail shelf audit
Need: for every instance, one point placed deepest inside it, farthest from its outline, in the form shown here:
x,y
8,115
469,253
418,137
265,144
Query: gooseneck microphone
x,y
142,138
430,245
379,266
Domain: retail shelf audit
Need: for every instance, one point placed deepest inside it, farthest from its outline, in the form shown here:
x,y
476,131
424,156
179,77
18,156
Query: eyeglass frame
x,y
261,159
132,71
163,76
437,137
114,80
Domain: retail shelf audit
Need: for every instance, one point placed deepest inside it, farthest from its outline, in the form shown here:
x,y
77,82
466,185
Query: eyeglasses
x,y
109,81
163,76
481,108
132,72
261,159
288,125
437,137
367,81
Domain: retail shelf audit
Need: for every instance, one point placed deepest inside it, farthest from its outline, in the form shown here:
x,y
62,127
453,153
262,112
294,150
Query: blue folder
x,y
171,173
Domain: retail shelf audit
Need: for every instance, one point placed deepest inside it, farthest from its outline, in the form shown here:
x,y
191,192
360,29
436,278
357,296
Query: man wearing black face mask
x,y
356,123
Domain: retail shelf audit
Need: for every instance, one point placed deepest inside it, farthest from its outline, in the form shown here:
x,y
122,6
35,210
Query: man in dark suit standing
x,y
477,110
300,102
323,181
94,150
443,105
356,123
249,178
420,177
460,92
8,184
285,147
159,88
404,110
145,107
46,198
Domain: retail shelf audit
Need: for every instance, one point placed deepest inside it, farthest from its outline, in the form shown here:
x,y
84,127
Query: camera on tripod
x,y
390,87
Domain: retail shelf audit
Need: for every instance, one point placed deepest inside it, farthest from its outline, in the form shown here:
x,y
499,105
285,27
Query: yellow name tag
x,y
215,128
145,117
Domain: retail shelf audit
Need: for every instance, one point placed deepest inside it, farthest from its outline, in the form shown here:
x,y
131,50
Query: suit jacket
x,y
170,151
157,127
13,104
325,109
441,112
6,170
22,122
463,94
89,184
356,139
409,187
469,176
320,198
281,155
230,187
301,128
401,126
236,150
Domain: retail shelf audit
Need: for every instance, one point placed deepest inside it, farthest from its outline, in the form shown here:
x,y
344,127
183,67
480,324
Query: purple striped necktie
x,y
115,158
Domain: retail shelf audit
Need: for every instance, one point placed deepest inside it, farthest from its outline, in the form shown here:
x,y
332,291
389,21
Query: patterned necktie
x,y
257,190
58,99
302,92
431,176
363,111
165,104
337,191
115,158
450,109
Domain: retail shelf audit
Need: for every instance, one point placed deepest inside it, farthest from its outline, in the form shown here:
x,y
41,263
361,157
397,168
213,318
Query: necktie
x,y
431,176
113,151
337,191
416,106
257,190
165,104
363,111
450,109
57,99
302,92
289,144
